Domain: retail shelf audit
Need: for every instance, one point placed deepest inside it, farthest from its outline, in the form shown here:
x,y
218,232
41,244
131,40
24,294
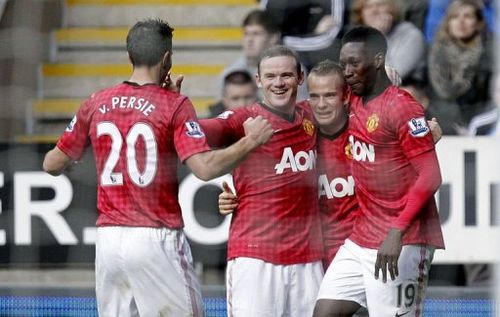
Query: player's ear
x,y
347,97
379,60
257,79
166,61
130,59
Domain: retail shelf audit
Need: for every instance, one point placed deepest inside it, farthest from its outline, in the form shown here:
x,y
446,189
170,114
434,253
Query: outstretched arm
x,y
211,164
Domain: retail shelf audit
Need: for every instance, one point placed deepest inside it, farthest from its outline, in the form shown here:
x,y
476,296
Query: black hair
x,y
262,18
374,40
238,77
148,41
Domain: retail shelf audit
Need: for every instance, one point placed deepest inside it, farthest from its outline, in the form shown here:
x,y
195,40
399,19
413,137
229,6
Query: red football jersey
x,y
384,133
277,218
338,204
138,134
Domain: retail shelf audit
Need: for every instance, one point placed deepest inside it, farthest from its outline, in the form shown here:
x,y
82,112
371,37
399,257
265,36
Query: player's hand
x,y
393,75
436,130
173,85
258,129
227,200
388,255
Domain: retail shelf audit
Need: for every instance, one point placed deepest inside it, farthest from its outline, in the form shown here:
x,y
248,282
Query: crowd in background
x,y
441,49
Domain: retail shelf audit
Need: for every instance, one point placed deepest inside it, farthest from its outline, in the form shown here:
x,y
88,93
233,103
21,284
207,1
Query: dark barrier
x,y
50,220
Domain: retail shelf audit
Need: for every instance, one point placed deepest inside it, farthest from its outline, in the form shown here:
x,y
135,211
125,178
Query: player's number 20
x,y
108,177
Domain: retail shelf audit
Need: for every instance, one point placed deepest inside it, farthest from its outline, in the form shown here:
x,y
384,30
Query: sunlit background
x,y
55,53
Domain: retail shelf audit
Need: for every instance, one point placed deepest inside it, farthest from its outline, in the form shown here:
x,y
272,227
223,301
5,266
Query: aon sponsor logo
x,y
299,162
362,151
339,187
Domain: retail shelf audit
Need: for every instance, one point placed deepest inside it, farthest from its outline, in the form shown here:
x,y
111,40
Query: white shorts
x,y
145,272
258,288
350,277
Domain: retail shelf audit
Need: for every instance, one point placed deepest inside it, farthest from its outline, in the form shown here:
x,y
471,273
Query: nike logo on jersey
x,y
71,125
402,314
301,161
225,114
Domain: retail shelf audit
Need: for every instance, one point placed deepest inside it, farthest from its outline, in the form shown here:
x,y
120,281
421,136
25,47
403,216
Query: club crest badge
x,y
348,150
372,123
308,127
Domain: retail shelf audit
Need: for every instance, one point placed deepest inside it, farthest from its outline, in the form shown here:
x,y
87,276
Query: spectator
x,y
310,27
413,11
436,12
260,31
2,7
406,45
459,70
239,90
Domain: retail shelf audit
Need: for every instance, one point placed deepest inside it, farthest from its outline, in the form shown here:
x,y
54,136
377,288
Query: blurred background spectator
x,y
413,11
437,9
2,7
239,90
405,42
459,69
260,31
311,27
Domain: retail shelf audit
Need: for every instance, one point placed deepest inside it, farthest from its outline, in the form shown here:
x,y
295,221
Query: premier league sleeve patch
x,y
418,127
71,125
194,129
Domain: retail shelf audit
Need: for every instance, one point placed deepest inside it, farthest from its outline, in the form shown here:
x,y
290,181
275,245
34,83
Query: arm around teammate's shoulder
x,y
211,164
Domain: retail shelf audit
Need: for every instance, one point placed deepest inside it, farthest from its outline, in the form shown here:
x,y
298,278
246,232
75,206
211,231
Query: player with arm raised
x,y
138,132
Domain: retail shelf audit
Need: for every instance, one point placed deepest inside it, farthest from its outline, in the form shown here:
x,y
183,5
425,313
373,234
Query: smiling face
x,y
279,80
358,66
327,97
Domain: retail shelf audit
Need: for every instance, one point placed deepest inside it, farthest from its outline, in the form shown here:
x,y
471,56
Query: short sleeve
x,y
75,138
189,137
